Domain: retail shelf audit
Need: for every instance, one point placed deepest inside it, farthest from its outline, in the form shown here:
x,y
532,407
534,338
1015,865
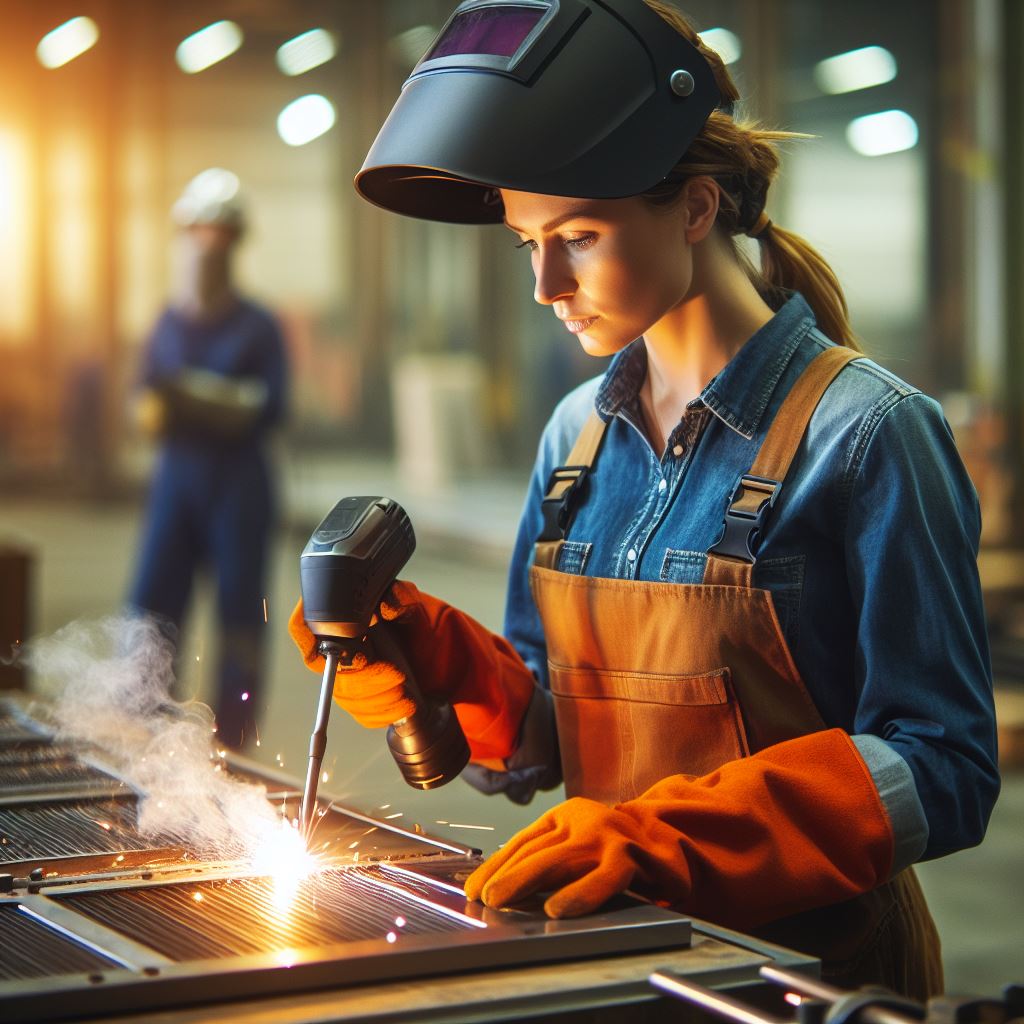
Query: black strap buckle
x,y
745,516
564,485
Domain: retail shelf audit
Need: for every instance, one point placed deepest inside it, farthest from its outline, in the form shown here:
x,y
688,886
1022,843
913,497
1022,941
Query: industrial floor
x,y
83,553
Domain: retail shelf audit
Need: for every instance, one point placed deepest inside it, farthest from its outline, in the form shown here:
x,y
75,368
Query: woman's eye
x,y
577,242
580,242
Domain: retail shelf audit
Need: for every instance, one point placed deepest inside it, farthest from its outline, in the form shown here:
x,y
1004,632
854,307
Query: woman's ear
x,y
700,199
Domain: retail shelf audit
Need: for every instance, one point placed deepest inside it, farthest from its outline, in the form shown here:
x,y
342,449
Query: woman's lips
x,y
579,326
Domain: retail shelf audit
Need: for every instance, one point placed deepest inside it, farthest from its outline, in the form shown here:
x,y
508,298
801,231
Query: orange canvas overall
x,y
657,679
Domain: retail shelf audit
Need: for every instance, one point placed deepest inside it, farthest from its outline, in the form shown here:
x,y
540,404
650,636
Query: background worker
x,y
743,614
213,384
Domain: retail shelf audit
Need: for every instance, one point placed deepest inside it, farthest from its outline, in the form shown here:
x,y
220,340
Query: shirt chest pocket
x,y
782,577
573,557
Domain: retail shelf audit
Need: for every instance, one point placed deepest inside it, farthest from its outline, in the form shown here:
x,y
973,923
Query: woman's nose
x,y
553,279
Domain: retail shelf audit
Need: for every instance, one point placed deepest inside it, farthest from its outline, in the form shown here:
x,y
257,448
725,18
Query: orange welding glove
x,y
795,826
452,656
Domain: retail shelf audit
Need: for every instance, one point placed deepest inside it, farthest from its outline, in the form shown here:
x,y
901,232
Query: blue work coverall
x,y
211,502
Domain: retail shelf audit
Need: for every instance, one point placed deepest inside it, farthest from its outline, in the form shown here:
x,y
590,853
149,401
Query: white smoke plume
x,y
110,683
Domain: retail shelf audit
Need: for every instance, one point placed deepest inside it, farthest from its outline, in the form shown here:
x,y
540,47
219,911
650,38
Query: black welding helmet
x,y
591,98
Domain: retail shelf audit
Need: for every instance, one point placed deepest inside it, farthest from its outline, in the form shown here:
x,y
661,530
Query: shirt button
x,y
678,450
662,485
631,555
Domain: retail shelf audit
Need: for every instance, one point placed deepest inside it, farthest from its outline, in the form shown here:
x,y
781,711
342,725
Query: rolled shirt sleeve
x,y
922,651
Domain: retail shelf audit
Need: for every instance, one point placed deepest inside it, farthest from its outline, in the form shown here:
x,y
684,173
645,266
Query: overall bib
x,y
657,679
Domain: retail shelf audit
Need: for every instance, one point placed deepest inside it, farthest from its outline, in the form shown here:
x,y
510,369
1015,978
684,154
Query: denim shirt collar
x,y
740,393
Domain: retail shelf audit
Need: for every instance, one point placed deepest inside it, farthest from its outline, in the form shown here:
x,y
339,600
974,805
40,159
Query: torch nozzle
x,y
318,739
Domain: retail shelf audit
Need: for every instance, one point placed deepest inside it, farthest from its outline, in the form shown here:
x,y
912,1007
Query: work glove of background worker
x,y
451,656
795,826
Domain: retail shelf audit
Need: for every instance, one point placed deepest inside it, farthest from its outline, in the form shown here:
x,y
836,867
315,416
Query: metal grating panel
x,y
234,917
55,776
13,729
35,751
74,828
30,949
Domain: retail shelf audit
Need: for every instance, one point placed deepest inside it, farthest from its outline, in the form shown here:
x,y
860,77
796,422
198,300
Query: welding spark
x,y
391,937
105,825
283,858
793,998
325,776
399,922
245,696
482,828
265,619
198,897
397,814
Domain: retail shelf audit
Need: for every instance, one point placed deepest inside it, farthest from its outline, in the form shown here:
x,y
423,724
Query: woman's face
x,y
609,268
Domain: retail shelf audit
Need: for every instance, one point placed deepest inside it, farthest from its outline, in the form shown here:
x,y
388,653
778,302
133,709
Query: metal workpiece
x,y
96,917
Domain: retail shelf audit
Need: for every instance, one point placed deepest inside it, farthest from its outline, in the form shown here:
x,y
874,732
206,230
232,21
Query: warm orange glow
x,y
16,251
73,244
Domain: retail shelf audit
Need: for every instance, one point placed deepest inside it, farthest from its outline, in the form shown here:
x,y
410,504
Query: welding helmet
x,y
597,99
212,197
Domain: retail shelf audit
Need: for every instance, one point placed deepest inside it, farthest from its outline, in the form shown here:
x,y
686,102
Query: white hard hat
x,y
211,197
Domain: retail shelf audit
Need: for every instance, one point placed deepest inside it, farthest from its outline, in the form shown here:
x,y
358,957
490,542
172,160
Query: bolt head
x,y
682,82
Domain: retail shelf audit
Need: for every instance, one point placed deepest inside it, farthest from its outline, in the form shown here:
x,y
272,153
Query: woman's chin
x,y
597,347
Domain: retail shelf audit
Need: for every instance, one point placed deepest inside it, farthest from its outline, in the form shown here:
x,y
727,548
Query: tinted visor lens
x,y
498,31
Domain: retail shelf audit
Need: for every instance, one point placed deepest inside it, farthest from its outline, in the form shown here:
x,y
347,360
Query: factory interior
x,y
414,365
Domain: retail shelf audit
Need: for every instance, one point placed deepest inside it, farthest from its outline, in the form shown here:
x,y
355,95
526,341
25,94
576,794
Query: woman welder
x,y
764,718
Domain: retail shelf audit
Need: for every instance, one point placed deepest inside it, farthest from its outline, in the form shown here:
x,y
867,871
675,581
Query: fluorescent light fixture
x,y
725,43
410,46
208,46
67,41
305,119
305,52
890,131
858,69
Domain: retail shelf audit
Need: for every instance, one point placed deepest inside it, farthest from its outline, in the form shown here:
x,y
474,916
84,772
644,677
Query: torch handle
x,y
318,739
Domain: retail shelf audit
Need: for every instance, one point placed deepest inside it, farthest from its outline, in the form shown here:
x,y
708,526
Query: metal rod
x,y
318,740
707,999
814,988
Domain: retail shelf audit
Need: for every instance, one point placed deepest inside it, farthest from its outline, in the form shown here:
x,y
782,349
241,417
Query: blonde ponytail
x,y
743,160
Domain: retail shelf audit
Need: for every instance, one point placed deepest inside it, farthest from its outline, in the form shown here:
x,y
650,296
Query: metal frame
x,y
149,980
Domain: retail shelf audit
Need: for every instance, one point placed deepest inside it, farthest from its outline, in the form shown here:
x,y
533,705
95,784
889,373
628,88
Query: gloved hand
x,y
795,826
451,656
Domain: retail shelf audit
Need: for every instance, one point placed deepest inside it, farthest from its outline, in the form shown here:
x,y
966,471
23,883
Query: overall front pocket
x,y
620,732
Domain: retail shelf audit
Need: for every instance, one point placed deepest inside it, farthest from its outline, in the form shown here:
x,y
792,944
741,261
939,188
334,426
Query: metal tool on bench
x,y
351,559
817,1002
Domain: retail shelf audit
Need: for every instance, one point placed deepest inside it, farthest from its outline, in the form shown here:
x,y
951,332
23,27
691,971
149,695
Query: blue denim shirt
x,y
870,555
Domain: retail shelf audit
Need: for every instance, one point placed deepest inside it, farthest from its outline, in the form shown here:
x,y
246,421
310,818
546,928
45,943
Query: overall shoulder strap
x,y
731,558
563,491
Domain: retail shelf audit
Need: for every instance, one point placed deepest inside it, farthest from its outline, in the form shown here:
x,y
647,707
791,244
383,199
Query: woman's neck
x,y
695,340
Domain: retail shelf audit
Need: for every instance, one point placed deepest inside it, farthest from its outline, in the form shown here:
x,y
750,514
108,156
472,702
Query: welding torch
x,y
346,568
